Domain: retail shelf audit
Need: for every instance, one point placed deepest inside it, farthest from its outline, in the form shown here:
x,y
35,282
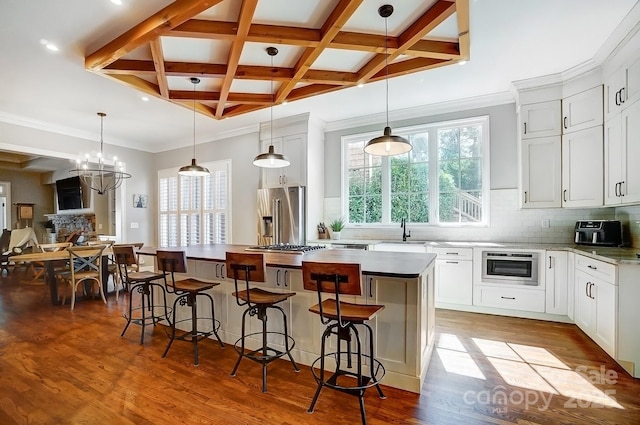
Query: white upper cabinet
x,y
582,110
294,148
540,119
582,168
540,172
622,87
622,150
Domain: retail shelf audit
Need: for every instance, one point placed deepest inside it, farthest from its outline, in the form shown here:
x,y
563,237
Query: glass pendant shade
x,y
387,144
271,159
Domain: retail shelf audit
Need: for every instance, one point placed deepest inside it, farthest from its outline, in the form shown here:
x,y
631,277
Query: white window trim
x,y
433,173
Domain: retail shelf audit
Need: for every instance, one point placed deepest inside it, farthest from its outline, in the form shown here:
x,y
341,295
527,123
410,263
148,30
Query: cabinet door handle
x,y
508,298
222,269
622,91
451,262
549,261
525,196
592,267
278,277
453,253
564,195
618,97
525,128
586,289
616,189
286,272
370,287
564,122
217,274
621,192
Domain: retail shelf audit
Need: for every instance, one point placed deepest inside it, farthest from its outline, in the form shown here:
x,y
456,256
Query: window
x,y
194,210
444,179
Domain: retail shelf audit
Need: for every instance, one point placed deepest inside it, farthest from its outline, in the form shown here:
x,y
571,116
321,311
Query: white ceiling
x,y
510,41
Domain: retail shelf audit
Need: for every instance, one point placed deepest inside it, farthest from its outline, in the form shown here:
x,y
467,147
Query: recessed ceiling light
x,y
144,98
360,84
285,102
49,45
462,62
118,2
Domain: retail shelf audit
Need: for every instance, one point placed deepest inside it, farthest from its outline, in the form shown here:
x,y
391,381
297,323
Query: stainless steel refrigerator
x,y
281,215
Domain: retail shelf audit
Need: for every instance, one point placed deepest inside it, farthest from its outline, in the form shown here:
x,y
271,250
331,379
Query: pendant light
x,y
193,169
387,145
271,159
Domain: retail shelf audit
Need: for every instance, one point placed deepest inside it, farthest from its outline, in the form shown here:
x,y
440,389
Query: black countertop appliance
x,y
598,232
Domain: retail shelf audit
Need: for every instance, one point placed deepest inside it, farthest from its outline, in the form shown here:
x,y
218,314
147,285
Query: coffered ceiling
x,y
325,46
112,56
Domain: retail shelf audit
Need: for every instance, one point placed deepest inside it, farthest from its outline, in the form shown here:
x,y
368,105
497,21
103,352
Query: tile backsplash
x,y
508,223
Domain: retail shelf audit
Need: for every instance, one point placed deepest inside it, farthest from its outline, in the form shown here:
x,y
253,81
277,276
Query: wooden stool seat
x,y
187,292
260,296
342,321
142,283
250,267
194,285
349,312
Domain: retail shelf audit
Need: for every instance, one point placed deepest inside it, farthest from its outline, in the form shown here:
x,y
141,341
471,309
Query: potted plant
x,y
336,227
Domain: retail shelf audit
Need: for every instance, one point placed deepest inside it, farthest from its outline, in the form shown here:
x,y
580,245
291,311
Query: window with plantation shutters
x,y
194,210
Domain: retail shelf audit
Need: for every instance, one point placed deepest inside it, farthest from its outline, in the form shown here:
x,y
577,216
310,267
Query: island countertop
x,y
374,263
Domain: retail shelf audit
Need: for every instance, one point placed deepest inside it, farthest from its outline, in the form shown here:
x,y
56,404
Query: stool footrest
x,y
257,355
366,380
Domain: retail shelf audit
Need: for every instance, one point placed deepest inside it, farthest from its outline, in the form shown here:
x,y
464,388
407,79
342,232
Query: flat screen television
x,y
69,193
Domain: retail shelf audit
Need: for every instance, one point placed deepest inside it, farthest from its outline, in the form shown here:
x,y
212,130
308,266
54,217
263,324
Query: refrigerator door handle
x,y
276,221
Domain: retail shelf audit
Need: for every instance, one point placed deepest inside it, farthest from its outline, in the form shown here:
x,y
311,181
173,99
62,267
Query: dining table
x,y
49,258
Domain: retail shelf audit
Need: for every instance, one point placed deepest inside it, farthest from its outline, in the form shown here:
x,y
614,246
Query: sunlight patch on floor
x,y
455,359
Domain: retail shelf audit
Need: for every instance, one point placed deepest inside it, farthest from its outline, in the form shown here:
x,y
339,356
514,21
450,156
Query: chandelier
x,y
100,177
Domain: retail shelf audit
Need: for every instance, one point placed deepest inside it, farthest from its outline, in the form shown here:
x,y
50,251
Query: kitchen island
x,y
404,331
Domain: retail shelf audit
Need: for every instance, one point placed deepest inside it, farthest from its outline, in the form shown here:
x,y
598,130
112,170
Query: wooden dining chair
x,y
85,264
39,266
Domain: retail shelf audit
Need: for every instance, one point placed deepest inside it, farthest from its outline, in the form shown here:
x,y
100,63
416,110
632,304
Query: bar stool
x,y
142,283
340,319
250,267
187,292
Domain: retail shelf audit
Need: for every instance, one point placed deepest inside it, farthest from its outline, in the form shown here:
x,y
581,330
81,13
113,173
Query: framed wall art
x,y
140,200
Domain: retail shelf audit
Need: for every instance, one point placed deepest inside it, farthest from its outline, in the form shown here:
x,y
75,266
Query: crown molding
x,y
424,110
629,26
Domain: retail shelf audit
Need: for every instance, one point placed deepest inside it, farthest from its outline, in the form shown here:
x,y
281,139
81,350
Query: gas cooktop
x,y
285,248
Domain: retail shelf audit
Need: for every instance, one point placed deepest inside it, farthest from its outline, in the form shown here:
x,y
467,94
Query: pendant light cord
x,y
194,117
271,109
386,65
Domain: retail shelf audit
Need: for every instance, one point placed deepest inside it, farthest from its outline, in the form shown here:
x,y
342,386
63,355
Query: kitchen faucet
x,y
405,234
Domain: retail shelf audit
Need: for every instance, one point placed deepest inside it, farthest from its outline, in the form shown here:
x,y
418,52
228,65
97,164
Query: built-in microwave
x,y
515,268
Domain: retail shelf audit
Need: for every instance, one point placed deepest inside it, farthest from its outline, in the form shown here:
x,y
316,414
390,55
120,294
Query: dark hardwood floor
x,y
63,367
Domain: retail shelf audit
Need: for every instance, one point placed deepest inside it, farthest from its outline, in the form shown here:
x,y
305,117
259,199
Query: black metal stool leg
x,y
241,353
143,318
191,300
173,327
286,339
130,311
325,335
213,319
262,315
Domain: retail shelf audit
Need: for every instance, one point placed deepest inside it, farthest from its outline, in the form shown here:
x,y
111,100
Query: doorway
x,y
5,204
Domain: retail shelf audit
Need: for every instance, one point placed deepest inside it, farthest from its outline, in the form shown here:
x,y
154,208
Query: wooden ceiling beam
x,y
247,10
430,19
158,24
336,20
462,15
158,63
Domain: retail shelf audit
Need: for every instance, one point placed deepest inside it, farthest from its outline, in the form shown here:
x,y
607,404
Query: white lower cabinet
x,y
454,276
509,297
556,282
596,302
